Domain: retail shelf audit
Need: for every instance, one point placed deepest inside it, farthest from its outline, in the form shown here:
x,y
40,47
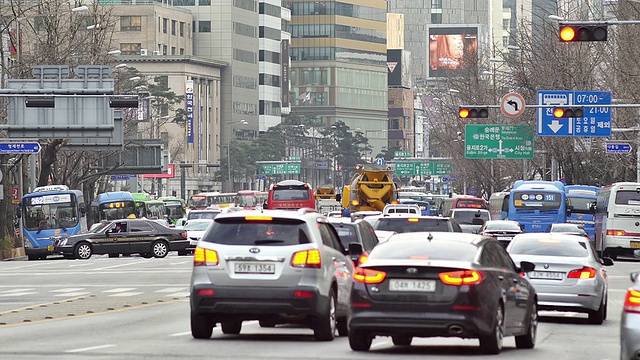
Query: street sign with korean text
x,y
423,168
20,148
294,158
120,177
595,122
496,141
400,154
618,148
279,168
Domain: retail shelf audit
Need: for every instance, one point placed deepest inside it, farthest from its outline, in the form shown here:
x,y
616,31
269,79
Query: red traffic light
x,y
573,33
561,113
473,112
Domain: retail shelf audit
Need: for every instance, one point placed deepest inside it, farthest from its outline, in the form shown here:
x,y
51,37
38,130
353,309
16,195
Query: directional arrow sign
x,y
618,148
496,141
555,126
20,148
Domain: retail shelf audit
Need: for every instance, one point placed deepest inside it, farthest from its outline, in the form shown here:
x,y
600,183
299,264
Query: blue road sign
x,y
595,122
261,177
473,191
20,148
322,165
449,179
623,148
379,161
120,177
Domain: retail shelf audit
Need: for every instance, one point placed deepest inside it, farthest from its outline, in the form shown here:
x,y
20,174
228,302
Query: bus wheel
x,y
83,251
33,257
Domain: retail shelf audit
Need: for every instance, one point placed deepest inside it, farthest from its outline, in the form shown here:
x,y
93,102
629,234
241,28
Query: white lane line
x,y
74,294
127,294
89,348
380,344
170,290
18,294
81,264
118,290
120,265
181,334
180,294
185,262
24,266
67,290
16,290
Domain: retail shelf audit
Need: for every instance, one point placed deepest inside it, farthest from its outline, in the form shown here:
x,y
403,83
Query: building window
x,y
165,25
173,27
173,50
130,48
204,26
164,49
183,3
204,2
505,24
181,51
182,29
505,41
436,18
130,23
436,4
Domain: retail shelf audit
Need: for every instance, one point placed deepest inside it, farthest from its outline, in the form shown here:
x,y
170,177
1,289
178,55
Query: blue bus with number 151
x,y
537,204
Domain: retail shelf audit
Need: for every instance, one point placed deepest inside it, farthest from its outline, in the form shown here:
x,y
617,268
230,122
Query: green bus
x,y
148,208
175,207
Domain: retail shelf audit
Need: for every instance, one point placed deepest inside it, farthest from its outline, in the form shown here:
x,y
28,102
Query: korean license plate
x,y
412,285
635,244
49,248
504,237
549,275
254,268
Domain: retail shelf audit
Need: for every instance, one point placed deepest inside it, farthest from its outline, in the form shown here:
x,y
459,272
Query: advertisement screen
x,y
451,49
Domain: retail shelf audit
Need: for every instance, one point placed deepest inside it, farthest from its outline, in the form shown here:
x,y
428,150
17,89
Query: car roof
x,y
411,237
559,236
287,214
414,216
199,220
468,210
343,220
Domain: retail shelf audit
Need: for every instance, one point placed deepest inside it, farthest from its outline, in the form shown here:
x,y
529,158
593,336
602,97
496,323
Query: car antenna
x,y
430,237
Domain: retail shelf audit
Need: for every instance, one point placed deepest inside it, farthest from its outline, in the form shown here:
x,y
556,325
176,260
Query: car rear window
x,y
549,247
347,235
503,226
202,215
406,224
466,217
427,250
276,232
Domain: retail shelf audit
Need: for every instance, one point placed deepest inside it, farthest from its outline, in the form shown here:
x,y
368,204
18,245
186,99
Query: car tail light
x,y
463,277
621,233
307,259
303,294
205,257
206,292
632,302
363,258
184,235
369,276
584,273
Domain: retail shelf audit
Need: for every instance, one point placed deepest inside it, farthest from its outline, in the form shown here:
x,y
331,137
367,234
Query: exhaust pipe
x,y
456,330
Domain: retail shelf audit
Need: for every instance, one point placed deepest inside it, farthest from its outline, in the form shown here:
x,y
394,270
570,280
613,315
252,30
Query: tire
x,y
33,257
160,248
114,255
325,328
146,256
342,326
231,327
201,326
597,317
401,340
360,340
267,323
83,251
528,340
492,343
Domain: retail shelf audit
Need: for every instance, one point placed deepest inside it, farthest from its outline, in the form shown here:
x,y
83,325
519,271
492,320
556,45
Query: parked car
x,y
403,224
436,284
275,267
358,231
470,220
501,230
630,321
125,236
569,274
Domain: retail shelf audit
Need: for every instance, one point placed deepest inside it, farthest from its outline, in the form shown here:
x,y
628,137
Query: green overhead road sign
x,y
495,141
414,168
279,169
400,154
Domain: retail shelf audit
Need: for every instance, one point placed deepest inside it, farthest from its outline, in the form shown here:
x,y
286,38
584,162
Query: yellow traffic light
x,y
473,112
587,32
567,33
559,113
463,113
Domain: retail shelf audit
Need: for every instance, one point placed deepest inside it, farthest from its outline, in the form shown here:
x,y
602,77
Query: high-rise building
x,y
338,64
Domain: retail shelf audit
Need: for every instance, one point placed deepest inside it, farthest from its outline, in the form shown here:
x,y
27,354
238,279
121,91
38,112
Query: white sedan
x,y
195,229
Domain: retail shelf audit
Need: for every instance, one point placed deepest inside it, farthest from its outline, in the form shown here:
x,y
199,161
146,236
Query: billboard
x,y
451,49
399,67
284,75
189,108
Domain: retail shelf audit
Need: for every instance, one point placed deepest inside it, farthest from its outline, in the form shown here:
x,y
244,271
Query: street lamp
x,y
556,17
241,122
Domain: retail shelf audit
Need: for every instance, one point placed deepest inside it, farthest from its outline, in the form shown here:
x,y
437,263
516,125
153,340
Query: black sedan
x,y
501,230
127,236
425,284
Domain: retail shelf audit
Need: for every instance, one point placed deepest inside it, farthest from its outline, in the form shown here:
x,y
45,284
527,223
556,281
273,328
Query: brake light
x,y
184,235
205,257
413,220
369,276
307,259
632,302
206,292
616,233
363,258
584,273
463,277
258,218
303,294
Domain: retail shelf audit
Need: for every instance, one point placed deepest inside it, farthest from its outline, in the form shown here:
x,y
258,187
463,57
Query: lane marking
x,y
18,294
181,334
67,290
40,305
123,294
118,290
381,344
90,348
119,265
170,290
180,294
16,290
78,293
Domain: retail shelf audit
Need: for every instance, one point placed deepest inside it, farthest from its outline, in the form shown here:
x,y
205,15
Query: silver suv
x,y
274,266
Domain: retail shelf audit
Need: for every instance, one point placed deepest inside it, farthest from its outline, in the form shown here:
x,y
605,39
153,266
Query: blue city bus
x,y
580,199
113,206
499,205
537,204
49,212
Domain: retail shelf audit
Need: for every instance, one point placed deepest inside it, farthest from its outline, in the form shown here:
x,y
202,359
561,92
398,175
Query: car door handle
x,y
500,277
515,280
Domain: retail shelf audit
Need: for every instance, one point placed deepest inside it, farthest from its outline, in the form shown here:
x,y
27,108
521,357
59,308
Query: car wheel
x,y
528,340
231,327
201,326
492,343
325,328
146,256
160,248
33,257
83,251
267,323
597,317
342,326
360,340
114,255
401,340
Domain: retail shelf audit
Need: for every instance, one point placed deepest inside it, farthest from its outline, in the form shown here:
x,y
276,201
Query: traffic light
x,y
560,113
473,112
573,33
358,167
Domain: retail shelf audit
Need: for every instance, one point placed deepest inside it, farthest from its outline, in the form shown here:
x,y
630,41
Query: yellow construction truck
x,y
325,192
371,189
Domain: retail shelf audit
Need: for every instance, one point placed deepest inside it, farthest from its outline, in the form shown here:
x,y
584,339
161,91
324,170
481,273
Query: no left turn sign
x,y
512,105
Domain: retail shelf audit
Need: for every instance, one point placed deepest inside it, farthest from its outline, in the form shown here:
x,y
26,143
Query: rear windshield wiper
x,y
268,241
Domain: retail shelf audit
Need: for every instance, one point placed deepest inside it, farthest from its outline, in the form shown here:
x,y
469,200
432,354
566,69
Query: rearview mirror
x,y
527,266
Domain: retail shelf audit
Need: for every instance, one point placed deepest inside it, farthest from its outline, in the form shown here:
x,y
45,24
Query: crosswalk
x,y
79,291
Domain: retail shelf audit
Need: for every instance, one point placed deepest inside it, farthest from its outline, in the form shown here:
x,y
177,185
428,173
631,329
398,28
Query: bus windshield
x,y
50,212
291,194
116,210
580,205
246,200
197,202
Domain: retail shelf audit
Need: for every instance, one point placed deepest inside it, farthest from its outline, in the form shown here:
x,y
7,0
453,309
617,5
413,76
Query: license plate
x,y
49,247
504,237
412,285
254,268
546,275
635,244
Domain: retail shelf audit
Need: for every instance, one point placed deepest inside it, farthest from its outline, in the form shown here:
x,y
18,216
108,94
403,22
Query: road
x,y
134,308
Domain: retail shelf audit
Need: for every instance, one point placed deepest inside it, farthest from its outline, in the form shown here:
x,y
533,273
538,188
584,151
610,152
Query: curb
x,y
15,258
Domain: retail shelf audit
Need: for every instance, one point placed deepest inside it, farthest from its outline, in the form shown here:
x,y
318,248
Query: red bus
x,y
463,202
247,199
290,195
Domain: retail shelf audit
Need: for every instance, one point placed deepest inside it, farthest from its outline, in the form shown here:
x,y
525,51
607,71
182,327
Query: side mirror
x,y
569,209
634,276
355,249
264,205
527,266
606,261
592,207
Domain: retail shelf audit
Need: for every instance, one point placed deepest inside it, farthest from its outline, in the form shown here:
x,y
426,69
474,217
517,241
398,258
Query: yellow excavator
x,y
371,189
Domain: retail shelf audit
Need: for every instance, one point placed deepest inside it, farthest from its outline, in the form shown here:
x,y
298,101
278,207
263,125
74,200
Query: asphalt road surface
x,y
135,308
